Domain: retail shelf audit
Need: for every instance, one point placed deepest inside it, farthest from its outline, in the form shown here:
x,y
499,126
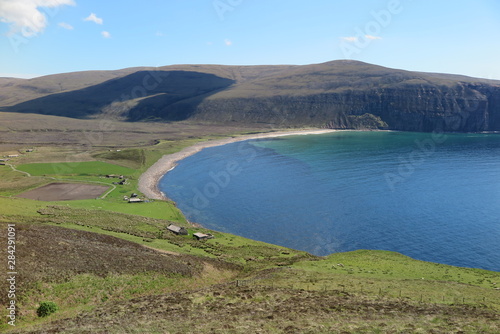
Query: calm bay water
x,y
432,197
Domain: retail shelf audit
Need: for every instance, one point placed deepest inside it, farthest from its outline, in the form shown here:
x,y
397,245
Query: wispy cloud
x,y
350,39
228,42
93,18
25,17
65,25
106,34
354,39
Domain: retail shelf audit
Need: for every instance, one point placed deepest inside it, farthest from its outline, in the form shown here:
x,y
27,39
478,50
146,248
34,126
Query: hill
x,y
339,94
104,284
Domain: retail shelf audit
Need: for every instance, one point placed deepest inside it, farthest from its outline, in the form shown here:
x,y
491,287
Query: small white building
x,y
203,236
177,229
135,200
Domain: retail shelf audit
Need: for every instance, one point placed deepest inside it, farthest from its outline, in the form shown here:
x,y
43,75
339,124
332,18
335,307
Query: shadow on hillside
x,y
144,95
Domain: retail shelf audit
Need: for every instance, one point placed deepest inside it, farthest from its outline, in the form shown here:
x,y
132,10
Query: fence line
x,y
387,293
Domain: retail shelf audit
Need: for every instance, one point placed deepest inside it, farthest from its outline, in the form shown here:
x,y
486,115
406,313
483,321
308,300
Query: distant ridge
x,y
338,94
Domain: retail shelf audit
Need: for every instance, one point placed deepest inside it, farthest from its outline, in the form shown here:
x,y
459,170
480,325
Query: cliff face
x,y
463,108
339,95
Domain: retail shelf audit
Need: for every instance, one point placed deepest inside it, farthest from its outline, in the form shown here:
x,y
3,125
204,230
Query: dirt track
x,y
64,192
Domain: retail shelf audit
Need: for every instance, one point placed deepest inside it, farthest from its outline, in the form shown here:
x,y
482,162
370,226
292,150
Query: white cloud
x,y
354,39
228,42
25,17
350,39
106,34
65,25
93,18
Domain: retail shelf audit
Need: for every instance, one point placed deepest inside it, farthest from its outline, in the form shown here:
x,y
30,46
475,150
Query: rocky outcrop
x,y
463,108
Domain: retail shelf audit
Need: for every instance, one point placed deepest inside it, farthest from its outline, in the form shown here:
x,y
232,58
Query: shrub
x,y
46,308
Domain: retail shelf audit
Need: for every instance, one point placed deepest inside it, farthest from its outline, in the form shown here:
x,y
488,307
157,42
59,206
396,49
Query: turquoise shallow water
x,y
432,197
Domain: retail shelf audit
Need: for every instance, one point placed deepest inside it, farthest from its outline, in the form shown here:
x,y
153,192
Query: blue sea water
x,y
434,197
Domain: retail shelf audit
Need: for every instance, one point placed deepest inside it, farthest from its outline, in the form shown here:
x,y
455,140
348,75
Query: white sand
x,y
148,182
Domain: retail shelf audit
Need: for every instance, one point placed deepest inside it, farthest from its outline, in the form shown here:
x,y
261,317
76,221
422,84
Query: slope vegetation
x,y
338,94
104,284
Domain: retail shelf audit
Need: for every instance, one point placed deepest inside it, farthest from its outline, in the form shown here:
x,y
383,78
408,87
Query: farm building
x,y
203,236
110,176
135,200
13,156
177,229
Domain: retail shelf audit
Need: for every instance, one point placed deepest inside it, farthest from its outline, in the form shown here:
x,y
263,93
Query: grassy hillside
x,y
91,168
336,94
14,91
60,139
104,285
237,286
78,270
119,97
112,267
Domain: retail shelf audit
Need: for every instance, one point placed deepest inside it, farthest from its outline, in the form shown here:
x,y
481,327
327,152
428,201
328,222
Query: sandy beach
x,y
148,181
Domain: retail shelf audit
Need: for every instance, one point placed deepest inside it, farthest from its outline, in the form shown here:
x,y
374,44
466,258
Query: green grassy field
x,y
94,172
14,182
19,207
90,168
155,209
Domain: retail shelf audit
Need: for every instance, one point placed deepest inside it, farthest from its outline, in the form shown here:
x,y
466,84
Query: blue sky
x,y
39,37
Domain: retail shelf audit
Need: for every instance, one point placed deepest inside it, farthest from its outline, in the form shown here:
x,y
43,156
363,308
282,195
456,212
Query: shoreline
x,y
148,181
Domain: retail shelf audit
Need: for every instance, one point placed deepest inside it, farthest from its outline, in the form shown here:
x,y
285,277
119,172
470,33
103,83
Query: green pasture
x,y
152,209
386,264
11,206
89,168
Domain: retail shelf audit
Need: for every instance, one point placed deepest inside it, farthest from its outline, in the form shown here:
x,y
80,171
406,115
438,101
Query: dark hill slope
x,y
127,96
339,94
15,91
